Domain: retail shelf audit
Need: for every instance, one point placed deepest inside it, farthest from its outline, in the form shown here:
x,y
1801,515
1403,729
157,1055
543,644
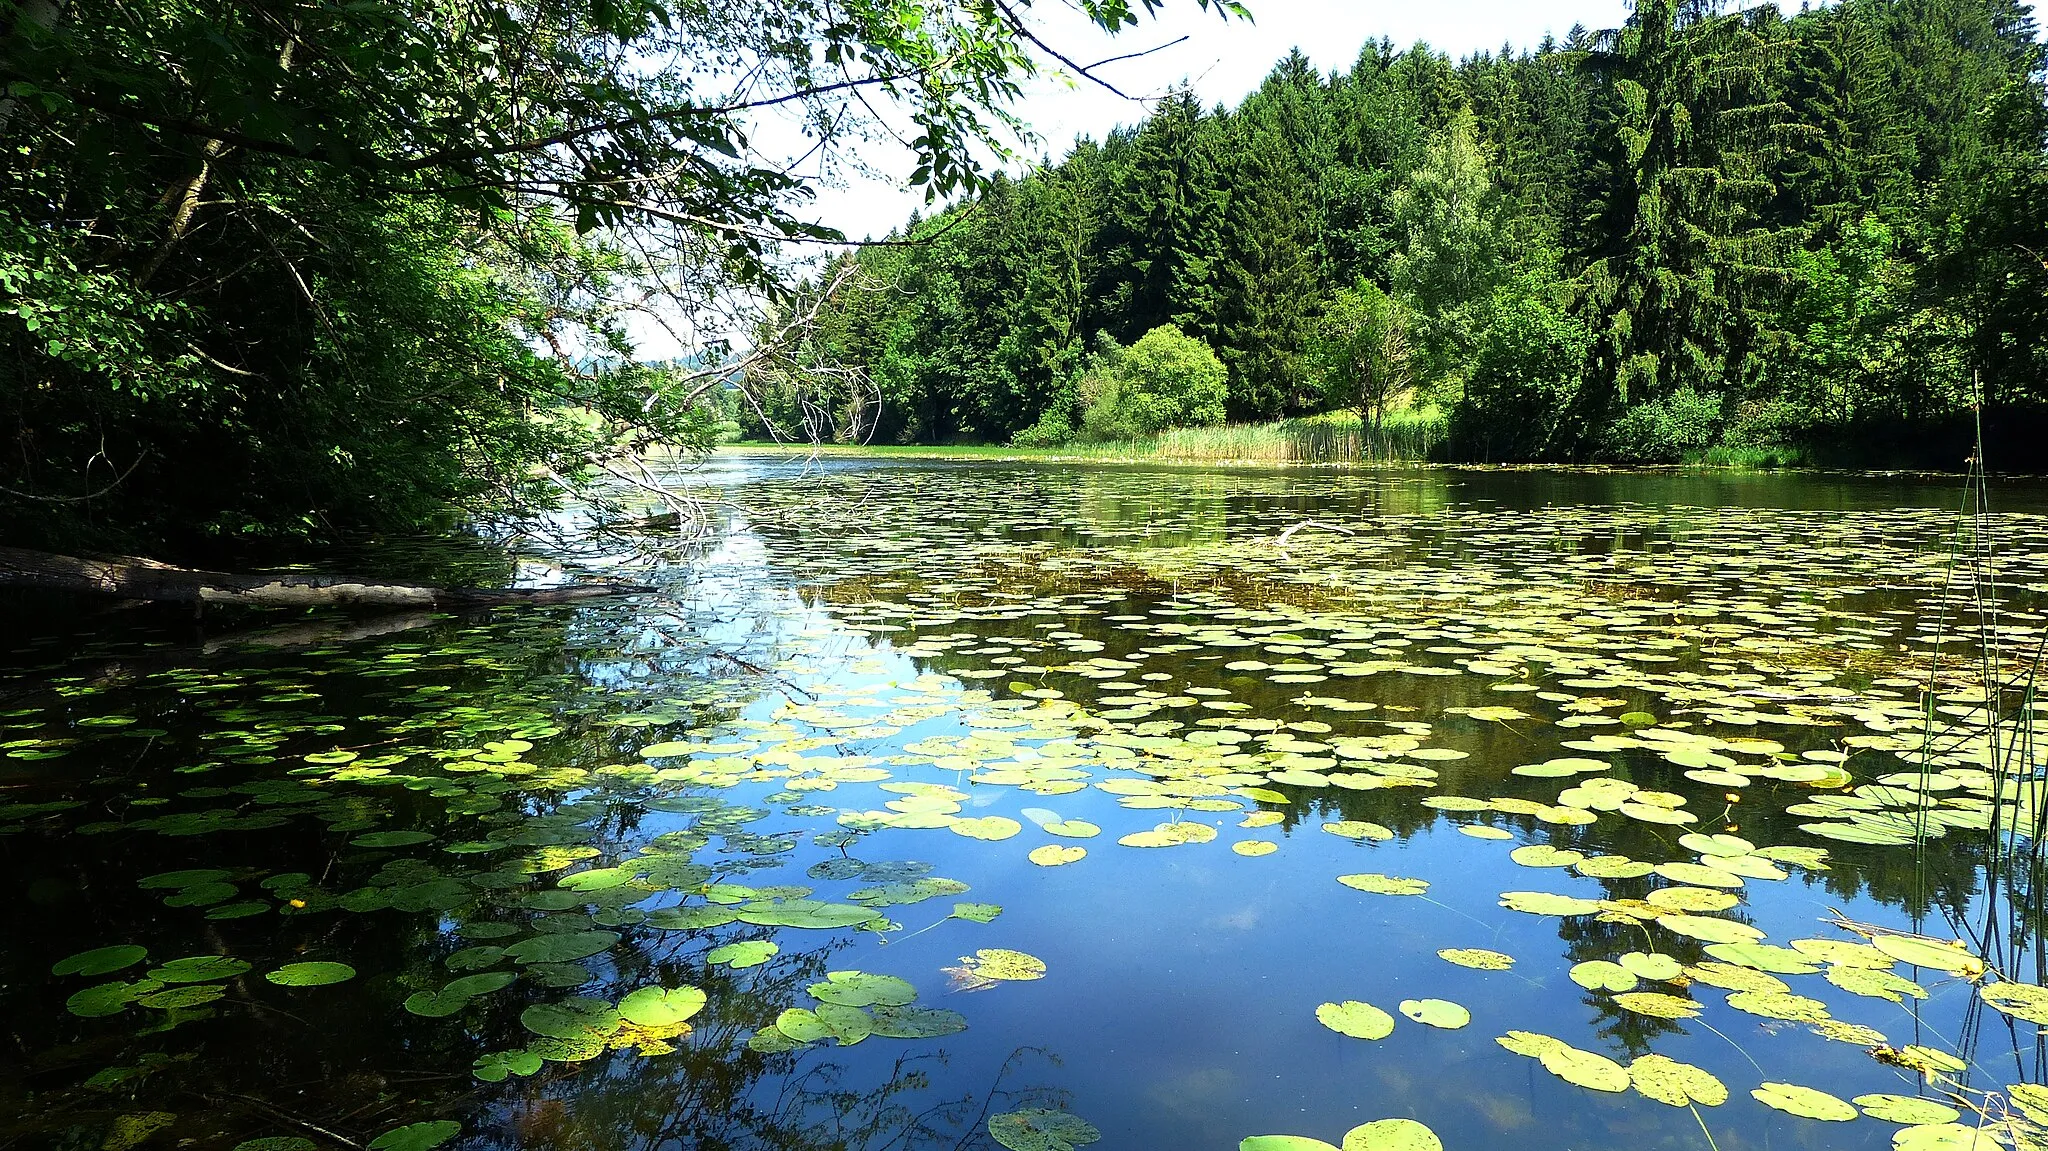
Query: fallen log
x,y
130,578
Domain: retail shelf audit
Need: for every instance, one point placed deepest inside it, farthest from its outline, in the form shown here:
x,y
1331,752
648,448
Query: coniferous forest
x,y
1815,236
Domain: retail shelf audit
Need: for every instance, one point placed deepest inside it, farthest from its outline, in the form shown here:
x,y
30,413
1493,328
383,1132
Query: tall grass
x,y
1332,438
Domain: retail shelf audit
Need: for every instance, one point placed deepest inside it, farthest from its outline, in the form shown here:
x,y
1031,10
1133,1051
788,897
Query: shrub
x,y
1167,379
1666,430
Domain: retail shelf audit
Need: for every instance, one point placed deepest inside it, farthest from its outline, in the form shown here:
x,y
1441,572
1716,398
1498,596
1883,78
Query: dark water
x,y
993,645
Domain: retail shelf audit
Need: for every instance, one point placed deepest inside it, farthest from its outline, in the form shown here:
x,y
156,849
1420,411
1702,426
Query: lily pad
x,y
977,912
1055,855
862,989
572,1018
1805,1102
1283,1143
1906,1109
497,1066
1041,1129
1477,958
1946,1137
198,969
1355,1018
417,1136
916,1022
654,1007
1436,1013
1547,903
1764,957
1392,1135
1588,1069
311,974
1676,1084
1927,953
1384,884
1658,1005
1602,975
561,947
101,960
744,953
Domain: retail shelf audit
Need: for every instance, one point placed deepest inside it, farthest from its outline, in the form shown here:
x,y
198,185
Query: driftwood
x,y
130,578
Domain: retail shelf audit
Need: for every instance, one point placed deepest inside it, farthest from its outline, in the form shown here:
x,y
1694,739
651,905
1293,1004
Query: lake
x,y
961,805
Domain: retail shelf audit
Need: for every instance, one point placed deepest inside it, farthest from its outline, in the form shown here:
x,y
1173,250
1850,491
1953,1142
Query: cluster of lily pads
x,y
1223,686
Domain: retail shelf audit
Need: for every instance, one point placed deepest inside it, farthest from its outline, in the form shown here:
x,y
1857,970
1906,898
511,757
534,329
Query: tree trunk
x,y
130,578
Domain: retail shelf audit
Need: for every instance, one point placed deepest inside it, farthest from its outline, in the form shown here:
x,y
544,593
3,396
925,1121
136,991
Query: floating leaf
x,y
1000,963
1804,1102
1906,1109
1886,985
1054,855
1709,929
744,953
417,1136
1646,965
393,838
1392,1135
862,989
561,947
496,1066
1945,1137
977,912
1436,1013
198,969
571,1018
1355,1018
1546,903
1283,1143
311,974
655,1007
916,1022
1529,1043
1601,975
990,827
1356,829
804,913
1693,899
1384,884
1927,953
1658,1005
101,960
1544,855
1677,1084
1477,958
1779,1005
1764,957
1586,1069
1253,848
1041,1129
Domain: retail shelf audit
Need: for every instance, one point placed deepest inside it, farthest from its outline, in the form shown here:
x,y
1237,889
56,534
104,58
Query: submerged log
x,y
130,578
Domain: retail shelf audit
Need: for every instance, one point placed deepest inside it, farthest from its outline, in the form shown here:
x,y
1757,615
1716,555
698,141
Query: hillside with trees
x,y
1711,233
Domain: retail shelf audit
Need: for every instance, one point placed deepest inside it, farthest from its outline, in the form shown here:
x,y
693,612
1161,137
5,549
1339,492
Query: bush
x,y
1166,380
1053,430
1665,430
1525,379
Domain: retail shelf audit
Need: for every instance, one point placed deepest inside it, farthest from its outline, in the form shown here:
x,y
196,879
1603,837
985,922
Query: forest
x,y
1710,235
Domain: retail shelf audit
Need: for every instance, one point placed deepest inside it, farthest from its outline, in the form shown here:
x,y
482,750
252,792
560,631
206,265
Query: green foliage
x,y
1362,353
292,273
1811,236
1166,380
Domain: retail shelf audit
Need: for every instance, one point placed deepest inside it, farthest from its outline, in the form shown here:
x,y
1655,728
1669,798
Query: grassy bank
x,y
1335,438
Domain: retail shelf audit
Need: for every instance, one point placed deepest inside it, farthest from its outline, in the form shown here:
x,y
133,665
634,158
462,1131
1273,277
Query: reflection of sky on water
x,y
1179,1005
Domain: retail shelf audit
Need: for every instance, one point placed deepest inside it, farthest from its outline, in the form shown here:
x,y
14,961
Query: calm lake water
x,y
1125,802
